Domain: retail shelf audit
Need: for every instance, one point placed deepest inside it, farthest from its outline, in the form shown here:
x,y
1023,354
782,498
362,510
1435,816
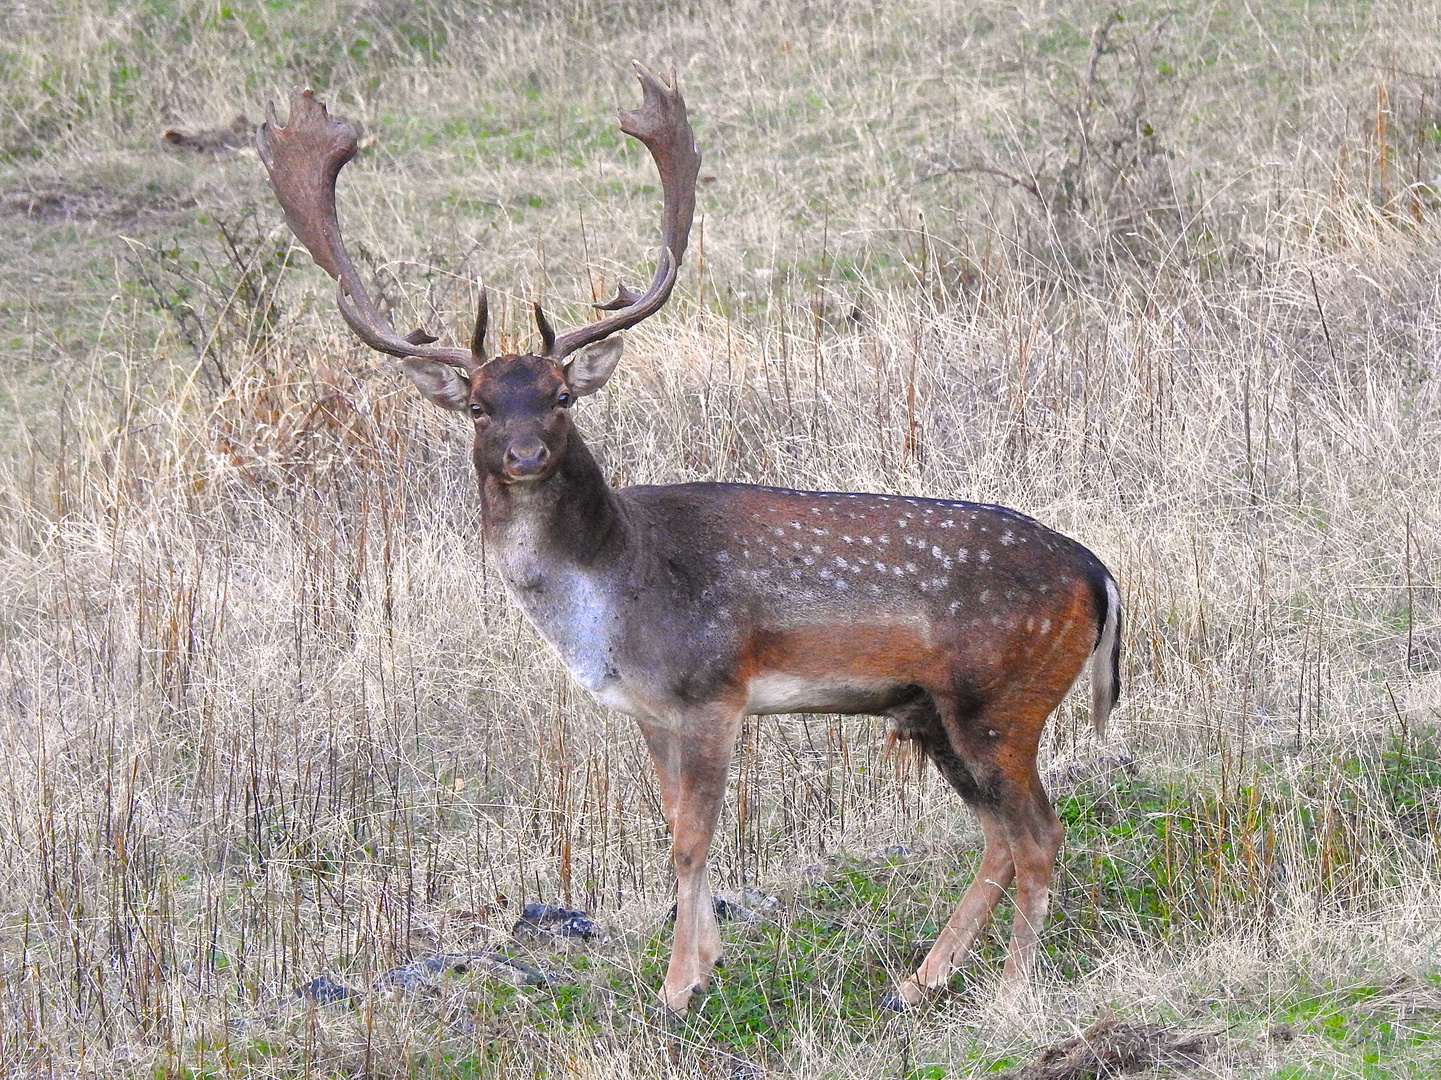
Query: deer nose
x,y
526,456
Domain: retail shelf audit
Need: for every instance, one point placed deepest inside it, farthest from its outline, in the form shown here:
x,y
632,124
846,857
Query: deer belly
x,y
777,692
841,668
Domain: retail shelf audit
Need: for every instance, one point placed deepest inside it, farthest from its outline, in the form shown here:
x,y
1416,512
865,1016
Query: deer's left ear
x,y
589,369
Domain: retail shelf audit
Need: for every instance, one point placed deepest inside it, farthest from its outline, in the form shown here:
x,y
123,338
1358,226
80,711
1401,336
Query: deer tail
x,y
1106,661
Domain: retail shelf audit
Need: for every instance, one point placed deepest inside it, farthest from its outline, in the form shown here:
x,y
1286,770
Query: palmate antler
x,y
661,124
303,159
306,155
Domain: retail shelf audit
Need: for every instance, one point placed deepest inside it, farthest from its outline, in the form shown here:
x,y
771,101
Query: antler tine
x,y
547,333
304,158
477,336
661,124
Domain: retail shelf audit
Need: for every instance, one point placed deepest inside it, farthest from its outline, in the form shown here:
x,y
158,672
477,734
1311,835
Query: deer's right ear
x,y
439,383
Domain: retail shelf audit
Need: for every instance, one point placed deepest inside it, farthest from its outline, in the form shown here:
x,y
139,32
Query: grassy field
x,y
1164,279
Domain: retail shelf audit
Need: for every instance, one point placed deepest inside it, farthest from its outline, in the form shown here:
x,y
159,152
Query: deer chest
x,y
573,612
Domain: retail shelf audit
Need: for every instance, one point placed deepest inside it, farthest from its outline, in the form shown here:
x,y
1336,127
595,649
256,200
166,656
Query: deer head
x,y
519,403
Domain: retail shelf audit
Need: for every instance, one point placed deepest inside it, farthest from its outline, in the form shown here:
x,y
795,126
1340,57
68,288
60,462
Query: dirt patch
x,y
1112,1047
61,199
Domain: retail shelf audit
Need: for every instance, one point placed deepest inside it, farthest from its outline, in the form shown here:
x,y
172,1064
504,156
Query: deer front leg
x,y
692,759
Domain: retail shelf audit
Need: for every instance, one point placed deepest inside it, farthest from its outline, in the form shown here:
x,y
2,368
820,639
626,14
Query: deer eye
x,y
477,410
563,399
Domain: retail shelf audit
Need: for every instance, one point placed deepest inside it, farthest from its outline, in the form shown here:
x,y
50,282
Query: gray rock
x,y
422,974
552,922
430,973
892,853
327,991
748,905
1064,777
429,976
745,905
516,972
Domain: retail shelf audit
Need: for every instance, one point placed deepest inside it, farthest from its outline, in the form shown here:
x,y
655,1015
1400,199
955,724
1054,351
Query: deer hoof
x,y
678,1004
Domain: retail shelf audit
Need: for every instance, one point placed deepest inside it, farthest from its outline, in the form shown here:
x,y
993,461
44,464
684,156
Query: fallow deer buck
x,y
690,606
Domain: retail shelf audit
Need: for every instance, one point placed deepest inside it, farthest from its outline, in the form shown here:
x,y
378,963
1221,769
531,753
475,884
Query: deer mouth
x,y
526,459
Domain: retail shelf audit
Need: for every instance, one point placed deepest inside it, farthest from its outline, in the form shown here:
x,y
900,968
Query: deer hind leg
x,y
693,760
1035,835
931,722
988,756
966,923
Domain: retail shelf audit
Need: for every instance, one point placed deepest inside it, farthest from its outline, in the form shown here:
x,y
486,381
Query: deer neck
x,y
560,544
569,523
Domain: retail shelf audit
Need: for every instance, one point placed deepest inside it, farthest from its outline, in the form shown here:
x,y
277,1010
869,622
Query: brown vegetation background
x,y
1164,279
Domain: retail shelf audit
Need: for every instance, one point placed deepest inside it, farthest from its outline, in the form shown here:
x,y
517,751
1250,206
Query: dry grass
x,y
267,714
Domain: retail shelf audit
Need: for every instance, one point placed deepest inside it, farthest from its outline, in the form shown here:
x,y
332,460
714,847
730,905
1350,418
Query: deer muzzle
x,y
526,458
